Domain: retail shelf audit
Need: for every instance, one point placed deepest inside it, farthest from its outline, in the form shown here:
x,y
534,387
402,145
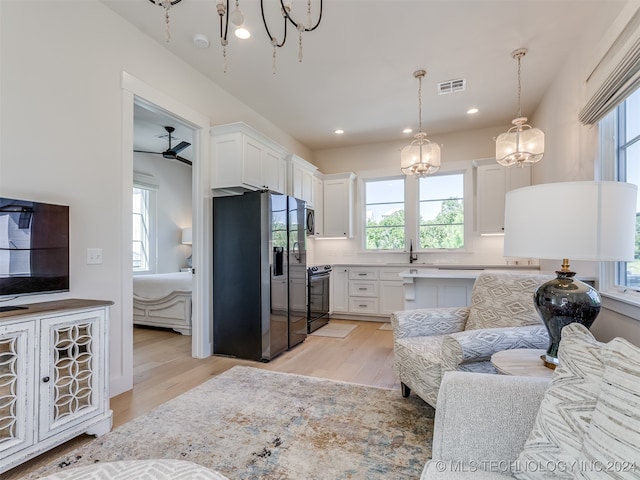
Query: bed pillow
x,y
555,442
611,446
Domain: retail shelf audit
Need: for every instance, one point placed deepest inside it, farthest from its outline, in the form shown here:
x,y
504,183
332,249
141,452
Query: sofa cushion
x,y
611,447
504,300
555,441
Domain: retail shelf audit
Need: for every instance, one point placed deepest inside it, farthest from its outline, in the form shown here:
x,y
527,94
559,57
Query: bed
x,y
163,300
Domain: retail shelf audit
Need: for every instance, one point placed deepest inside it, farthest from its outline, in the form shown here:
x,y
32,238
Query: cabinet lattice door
x,y
16,372
69,375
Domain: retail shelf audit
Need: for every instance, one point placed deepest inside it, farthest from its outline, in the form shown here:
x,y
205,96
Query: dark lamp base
x,y
562,301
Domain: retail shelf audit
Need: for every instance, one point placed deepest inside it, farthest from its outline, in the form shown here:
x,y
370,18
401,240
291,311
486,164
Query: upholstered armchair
x,y
429,342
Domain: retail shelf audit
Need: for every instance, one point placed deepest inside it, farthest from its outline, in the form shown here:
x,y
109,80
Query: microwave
x,y
310,222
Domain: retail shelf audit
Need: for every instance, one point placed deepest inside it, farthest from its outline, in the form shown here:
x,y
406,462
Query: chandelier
x,y
421,157
166,4
237,19
521,144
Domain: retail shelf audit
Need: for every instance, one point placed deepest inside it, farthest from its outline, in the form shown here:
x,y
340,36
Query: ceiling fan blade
x,y
181,146
184,160
144,151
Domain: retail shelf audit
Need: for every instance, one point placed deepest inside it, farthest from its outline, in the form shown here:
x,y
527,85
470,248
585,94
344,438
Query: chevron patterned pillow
x,y
612,444
555,442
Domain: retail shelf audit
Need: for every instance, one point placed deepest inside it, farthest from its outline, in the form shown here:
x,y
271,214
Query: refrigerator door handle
x,y
296,251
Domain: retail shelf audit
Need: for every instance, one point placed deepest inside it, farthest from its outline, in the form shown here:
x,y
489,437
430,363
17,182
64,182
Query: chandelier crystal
x,y
522,144
421,157
166,4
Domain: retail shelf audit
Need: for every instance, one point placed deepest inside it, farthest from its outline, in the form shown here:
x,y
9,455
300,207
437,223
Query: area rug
x,y
249,423
335,330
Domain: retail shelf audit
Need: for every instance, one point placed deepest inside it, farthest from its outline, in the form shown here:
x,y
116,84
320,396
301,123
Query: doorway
x,y
135,94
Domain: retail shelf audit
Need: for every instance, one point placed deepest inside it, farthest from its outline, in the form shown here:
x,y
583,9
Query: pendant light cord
x,y
420,102
519,88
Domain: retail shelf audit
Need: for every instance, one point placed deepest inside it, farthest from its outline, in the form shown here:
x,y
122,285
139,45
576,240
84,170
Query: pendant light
x,y
421,157
166,4
522,144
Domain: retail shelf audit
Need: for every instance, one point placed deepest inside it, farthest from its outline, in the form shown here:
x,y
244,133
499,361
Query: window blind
x,y
616,76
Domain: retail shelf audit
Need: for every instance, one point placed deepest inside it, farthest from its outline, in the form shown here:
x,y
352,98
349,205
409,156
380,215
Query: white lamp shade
x,y
420,158
574,220
187,236
520,145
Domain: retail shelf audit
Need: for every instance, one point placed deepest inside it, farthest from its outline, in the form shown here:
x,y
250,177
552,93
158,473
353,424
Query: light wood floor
x,y
163,369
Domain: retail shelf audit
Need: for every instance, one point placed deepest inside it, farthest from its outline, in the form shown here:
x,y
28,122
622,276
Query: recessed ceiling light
x,y
338,131
242,33
471,111
407,130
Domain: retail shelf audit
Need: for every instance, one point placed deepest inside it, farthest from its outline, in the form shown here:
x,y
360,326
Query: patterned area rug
x,y
249,423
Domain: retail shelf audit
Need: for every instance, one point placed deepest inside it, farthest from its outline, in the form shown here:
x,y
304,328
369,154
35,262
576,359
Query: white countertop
x,y
460,272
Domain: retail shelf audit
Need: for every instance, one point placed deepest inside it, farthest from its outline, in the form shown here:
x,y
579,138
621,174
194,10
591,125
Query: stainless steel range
x,y
319,277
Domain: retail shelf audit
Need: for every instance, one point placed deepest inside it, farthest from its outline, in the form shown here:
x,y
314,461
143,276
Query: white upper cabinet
x,y
339,190
494,181
244,159
318,204
301,175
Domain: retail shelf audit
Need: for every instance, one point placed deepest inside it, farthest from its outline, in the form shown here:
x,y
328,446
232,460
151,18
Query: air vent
x,y
451,86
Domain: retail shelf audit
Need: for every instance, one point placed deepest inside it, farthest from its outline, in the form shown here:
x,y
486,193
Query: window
x,y
384,219
141,229
399,210
442,211
628,170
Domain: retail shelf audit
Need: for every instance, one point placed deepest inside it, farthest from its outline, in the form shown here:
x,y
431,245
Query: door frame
x,y
134,90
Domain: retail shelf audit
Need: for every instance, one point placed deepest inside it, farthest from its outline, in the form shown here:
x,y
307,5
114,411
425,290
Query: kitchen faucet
x,y
412,257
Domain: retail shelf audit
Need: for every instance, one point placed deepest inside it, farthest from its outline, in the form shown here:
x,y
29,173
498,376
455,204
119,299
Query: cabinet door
x,y
226,165
71,370
318,199
337,205
252,162
339,285
391,296
491,190
273,171
17,378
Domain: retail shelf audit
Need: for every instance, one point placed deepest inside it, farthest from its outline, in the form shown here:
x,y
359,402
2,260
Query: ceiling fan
x,y
171,153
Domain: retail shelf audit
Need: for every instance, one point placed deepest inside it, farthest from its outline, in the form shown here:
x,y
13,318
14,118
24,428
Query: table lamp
x,y
579,220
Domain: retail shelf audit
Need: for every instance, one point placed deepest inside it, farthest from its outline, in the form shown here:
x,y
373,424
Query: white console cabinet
x,y
53,376
244,159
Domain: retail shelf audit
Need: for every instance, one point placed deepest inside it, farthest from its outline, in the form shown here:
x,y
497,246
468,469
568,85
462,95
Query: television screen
x,y
34,247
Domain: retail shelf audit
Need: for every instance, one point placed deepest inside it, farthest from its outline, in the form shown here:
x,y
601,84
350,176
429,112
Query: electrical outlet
x,y
94,256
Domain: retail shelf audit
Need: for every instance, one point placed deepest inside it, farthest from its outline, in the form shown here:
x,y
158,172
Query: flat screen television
x,y
34,248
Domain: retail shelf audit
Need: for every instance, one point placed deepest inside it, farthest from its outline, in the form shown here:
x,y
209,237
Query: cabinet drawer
x,y
363,289
363,305
363,273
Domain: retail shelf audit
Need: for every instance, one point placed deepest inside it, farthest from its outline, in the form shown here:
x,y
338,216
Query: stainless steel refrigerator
x,y
259,275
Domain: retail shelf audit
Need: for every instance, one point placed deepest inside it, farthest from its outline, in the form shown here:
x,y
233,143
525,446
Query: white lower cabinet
x,y
364,290
339,300
53,377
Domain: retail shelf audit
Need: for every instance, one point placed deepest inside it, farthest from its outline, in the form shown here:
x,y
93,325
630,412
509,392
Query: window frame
x,y
148,183
615,296
363,223
412,209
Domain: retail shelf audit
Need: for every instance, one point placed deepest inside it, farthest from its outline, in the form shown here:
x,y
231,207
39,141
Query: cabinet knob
x,y
45,379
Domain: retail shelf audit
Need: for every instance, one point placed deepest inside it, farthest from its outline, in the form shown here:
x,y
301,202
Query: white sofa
x,y
429,342
583,423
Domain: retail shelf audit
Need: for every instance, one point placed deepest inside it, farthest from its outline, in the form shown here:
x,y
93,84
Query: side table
x,y
521,361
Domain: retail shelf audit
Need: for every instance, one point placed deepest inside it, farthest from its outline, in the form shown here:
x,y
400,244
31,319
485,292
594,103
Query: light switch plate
x,y
94,256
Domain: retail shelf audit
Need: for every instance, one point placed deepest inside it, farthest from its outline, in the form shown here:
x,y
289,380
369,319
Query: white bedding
x,y
160,285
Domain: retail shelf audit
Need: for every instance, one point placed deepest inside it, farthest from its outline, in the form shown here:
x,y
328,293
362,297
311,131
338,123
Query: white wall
x,y
61,129
173,208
